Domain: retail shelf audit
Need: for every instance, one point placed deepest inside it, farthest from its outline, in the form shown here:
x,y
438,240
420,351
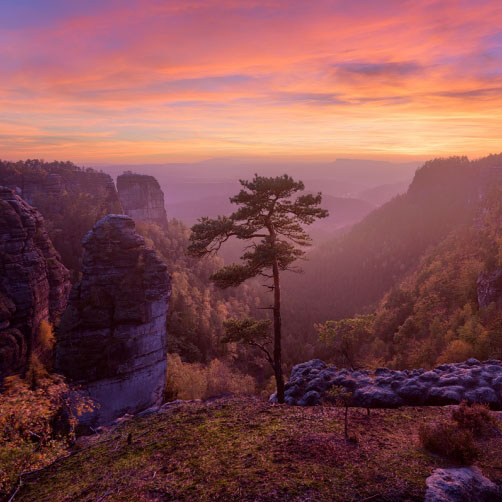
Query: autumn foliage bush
x,y
197,381
475,418
30,411
28,440
448,440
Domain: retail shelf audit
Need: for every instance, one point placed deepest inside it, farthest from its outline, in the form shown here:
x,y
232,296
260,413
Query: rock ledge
x,y
472,380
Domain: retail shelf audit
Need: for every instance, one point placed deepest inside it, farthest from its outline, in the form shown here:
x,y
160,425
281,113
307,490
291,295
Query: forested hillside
x,y
413,262
197,309
349,275
438,313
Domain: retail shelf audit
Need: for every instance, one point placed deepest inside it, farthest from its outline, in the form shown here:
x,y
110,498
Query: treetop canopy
x,y
265,205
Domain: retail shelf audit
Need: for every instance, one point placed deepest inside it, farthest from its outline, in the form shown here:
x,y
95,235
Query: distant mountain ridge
x,y
219,177
343,210
383,193
359,171
351,188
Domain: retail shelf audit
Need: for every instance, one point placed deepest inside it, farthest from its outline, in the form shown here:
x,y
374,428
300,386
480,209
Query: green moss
x,y
248,449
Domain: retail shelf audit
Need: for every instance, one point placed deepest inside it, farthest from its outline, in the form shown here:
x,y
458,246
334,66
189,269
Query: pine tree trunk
x,y
277,334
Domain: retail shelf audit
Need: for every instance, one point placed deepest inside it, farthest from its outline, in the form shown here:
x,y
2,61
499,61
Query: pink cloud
x,y
220,73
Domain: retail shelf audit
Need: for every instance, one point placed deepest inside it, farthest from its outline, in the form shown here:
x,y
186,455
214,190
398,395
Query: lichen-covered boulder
x,y
472,381
112,338
466,484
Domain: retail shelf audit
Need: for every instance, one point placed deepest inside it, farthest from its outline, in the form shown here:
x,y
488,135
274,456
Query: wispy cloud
x,y
371,70
98,80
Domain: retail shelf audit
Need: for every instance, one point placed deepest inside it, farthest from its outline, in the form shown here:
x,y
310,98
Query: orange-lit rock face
x,y
113,334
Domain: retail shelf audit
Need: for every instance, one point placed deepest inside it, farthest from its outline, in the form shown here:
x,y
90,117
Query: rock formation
x,y
490,288
35,179
142,198
464,484
447,384
112,338
34,284
90,182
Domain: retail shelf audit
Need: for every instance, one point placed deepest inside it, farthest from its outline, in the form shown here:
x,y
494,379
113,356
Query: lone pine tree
x,y
272,220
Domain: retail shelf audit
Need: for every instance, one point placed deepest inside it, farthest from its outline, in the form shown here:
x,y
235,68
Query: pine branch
x,y
264,349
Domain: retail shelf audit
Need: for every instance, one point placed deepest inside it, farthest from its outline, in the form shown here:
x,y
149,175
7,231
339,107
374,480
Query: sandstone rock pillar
x,y
112,338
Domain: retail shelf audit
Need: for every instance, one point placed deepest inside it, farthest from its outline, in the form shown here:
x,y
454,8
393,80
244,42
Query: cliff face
x,y
34,179
34,284
55,184
142,199
490,288
112,337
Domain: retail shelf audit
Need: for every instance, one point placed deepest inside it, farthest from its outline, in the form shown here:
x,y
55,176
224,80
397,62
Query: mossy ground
x,y
246,449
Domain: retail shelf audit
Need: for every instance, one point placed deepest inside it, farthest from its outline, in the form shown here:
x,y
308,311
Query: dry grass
x,y
475,418
197,381
245,449
449,440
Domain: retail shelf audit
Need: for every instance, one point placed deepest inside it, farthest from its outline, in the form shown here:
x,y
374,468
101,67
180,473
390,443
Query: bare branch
x,y
271,288
265,350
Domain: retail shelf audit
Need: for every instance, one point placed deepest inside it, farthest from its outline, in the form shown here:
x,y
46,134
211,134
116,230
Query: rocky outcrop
x,y
112,338
472,381
34,284
466,484
55,184
490,288
35,180
142,199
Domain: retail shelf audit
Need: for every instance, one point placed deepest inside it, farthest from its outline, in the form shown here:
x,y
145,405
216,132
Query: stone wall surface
x,y
52,184
489,286
464,484
472,380
34,284
142,198
112,338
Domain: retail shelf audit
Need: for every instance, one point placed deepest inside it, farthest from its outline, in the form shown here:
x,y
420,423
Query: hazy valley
x,y
397,279
250,251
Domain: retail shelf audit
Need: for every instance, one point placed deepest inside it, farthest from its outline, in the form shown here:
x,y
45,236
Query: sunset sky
x,y
159,80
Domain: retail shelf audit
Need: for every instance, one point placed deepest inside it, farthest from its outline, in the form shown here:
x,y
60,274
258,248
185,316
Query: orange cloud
x,y
130,80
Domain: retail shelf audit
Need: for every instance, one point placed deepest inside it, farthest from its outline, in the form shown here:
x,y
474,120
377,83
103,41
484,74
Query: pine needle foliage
x,y
272,218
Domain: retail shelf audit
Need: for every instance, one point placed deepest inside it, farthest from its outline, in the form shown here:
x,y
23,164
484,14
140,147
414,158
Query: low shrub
x,y
448,440
221,379
476,417
28,440
196,381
